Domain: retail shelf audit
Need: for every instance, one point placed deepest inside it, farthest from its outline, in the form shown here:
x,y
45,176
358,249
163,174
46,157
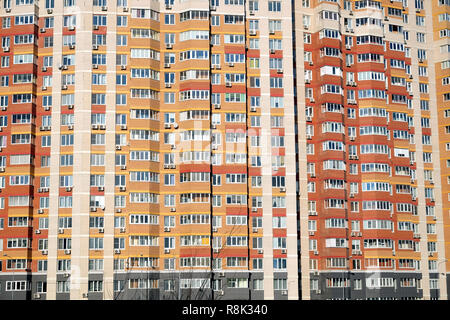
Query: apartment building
x,y
224,149
130,174
367,74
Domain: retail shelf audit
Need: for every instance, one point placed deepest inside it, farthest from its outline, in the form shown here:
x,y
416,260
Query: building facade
x,y
225,149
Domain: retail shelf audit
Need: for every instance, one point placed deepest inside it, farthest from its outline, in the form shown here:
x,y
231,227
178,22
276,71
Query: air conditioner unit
x,y
122,188
44,252
283,251
316,253
255,230
169,46
168,7
60,230
122,230
309,136
251,12
118,210
95,66
252,32
284,293
173,146
4,108
64,67
352,138
308,118
348,47
282,189
280,71
231,64
312,213
36,296
166,250
96,27
72,46
67,251
37,231
166,229
123,127
305,26
312,100
44,69
216,250
216,66
123,167
40,210
8,10
214,146
70,106
46,108
272,51
260,251
311,63
94,47
221,274
64,87
43,30
166,65
217,106
168,85
167,125
93,209
85,295
118,147
71,28
123,67
104,8
307,81
70,127
254,209
215,229
2,169
49,11
253,109
117,251
431,181
5,49
44,88
432,199
173,209
101,230
66,274
228,84
125,9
